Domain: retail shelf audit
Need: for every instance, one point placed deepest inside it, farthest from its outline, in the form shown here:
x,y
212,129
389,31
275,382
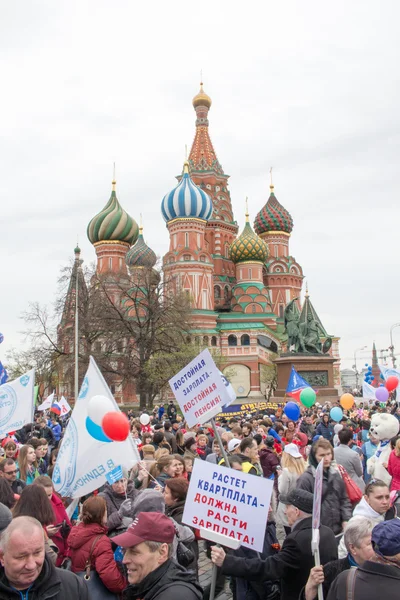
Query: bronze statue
x,y
292,325
310,331
304,336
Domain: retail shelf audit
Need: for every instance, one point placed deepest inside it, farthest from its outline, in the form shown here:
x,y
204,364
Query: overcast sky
x,y
311,88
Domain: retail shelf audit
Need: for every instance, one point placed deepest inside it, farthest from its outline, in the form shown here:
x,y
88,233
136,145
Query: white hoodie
x,y
363,509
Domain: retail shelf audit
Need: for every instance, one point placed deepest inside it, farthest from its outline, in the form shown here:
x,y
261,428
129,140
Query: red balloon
x,y
116,426
391,383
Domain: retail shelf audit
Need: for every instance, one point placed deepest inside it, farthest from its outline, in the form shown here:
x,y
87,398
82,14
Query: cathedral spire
x,y
202,156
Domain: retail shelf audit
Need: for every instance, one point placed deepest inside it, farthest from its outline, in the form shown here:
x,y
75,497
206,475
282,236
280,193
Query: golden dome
x,y
202,99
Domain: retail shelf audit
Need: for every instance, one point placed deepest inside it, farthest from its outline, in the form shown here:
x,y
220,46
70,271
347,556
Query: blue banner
x,y
241,410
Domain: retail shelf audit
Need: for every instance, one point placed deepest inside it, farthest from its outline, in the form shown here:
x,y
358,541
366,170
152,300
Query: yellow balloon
x,y
347,401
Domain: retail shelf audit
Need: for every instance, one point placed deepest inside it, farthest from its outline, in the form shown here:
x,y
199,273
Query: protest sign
x,y
86,454
229,390
114,475
199,389
228,502
241,410
16,403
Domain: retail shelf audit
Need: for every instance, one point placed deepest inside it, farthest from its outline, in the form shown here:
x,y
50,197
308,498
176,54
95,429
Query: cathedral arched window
x,y
186,240
187,257
245,340
202,258
281,310
226,292
226,250
232,340
214,340
205,340
217,292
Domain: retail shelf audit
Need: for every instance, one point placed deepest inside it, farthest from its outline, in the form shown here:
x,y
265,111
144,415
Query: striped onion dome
x,y
248,246
140,255
186,201
112,223
273,217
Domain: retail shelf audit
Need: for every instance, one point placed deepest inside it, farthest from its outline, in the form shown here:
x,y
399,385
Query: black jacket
x,y
291,565
52,584
335,504
169,582
331,570
17,486
372,580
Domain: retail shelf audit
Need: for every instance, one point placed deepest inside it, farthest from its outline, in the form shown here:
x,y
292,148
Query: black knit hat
x,y
301,499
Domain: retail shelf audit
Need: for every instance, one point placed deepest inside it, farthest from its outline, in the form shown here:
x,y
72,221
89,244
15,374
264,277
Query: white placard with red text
x,y
228,502
200,390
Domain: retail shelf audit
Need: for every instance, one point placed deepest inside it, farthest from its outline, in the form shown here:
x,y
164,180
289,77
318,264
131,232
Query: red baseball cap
x,y
147,527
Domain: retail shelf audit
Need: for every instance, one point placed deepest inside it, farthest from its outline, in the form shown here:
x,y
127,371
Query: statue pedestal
x,y
316,369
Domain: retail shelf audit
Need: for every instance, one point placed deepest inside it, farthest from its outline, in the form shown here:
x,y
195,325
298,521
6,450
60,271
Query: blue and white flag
x,y
389,372
86,454
46,404
3,374
296,384
16,403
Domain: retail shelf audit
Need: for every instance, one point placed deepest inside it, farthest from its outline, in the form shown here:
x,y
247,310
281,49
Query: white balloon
x,y
144,419
98,406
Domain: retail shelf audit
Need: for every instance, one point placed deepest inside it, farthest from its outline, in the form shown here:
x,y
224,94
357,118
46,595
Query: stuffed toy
x,y
384,426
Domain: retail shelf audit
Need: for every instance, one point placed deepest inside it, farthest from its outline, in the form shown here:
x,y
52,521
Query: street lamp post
x,y
355,362
391,344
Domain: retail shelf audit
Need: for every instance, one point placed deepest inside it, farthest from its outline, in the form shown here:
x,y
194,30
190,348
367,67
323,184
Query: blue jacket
x,y
325,430
56,429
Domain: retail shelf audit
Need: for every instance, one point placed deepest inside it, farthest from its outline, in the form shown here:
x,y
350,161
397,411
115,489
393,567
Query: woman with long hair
x,y
89,538
27,465
34,502
393,467
164,468
180,469
293,465
180,442
59,535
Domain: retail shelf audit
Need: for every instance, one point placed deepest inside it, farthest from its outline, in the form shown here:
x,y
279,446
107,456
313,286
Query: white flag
x,y
65,407
86,454
368,391
16,403
46,403
230,390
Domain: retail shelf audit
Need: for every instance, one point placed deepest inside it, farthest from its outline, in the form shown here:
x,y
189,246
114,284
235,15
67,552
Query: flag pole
x,y
76,382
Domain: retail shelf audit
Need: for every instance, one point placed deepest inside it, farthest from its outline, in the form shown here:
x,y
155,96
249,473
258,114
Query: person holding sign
x,y
293,563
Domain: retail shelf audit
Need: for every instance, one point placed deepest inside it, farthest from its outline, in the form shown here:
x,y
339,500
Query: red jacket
x,y
80,542
61,515
394,470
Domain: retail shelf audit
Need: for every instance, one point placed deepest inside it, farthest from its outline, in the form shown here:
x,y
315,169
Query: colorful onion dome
x,y
112,223
248,246
140,255
273,217
201,99
186,201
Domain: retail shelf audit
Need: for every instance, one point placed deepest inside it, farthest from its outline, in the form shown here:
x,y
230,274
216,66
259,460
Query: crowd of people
x,y
128,540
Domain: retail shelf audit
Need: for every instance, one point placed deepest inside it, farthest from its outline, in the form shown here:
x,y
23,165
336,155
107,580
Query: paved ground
x,y
205,569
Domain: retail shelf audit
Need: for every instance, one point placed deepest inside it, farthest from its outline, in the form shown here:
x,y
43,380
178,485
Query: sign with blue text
x,y
200,390
114,475
16,403
228,502
86,454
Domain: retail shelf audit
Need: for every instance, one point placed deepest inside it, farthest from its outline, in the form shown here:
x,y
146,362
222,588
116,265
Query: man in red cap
x,y
152,574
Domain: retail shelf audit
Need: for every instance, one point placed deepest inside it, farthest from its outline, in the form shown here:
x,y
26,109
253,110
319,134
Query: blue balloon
x,y
381,384
369,368
336,414
372,378
366,364
292,411
96,431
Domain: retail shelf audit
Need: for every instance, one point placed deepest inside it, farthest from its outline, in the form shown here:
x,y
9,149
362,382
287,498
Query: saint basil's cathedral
x,y
239,285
